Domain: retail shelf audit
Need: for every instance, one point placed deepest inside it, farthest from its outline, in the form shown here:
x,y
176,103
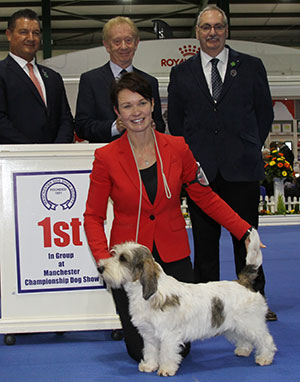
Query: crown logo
x,y
189,50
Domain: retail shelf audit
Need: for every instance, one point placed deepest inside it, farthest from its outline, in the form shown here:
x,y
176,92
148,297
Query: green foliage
x,y
281,210
265,207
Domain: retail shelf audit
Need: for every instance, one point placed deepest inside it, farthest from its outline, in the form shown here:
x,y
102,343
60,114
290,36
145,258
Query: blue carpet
x,y
93,356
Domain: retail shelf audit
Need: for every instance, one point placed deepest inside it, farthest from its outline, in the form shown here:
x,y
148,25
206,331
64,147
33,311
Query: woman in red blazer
x,y
143,173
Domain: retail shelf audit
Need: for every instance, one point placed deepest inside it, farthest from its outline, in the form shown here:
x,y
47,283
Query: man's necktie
x,y
216,81
122,72
35,80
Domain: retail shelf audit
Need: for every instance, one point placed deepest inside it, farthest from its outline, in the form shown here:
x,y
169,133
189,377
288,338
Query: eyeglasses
x,y
219,28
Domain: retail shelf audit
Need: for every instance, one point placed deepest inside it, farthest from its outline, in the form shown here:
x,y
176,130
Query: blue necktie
x,y
216,81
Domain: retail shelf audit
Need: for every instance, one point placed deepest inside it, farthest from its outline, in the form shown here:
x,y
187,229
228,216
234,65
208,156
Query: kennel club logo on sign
x,y
58,192
52,252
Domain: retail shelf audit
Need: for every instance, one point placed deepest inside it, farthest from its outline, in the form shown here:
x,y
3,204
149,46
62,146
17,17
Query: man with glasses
x,y
220,101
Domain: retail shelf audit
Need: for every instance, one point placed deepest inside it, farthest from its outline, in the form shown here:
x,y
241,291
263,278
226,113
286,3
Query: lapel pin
x,y
233,72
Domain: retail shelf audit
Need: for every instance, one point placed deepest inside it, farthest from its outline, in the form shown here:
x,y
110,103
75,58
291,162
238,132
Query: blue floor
x,y
93,356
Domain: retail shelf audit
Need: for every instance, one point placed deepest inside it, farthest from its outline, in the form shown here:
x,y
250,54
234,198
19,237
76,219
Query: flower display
x,y
276,166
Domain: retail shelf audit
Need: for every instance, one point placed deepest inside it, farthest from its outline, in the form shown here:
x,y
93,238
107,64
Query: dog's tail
x,y
253,261
254,255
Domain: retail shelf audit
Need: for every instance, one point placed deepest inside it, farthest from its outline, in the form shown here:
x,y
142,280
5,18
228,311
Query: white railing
x,y
269,203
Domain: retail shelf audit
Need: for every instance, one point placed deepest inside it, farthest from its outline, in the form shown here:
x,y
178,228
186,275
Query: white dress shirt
x,y
206,65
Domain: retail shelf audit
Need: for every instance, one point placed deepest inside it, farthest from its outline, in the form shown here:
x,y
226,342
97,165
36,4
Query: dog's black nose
x,y
101,269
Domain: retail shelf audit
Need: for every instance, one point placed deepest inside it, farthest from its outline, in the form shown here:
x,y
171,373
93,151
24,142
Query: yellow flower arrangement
x,y
277,166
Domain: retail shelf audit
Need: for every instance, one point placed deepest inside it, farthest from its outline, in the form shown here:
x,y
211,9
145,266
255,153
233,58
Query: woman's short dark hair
x,y
133,82
22,13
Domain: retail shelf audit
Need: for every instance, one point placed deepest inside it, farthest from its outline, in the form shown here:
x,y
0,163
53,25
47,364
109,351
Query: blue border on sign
x,y
20,290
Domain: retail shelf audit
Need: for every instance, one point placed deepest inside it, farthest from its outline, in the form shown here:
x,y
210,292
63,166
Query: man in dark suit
x,y
287,152
95,119
225,120
33,102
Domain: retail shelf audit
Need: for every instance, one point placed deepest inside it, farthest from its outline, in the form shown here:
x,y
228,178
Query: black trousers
x,y
243,197
182,270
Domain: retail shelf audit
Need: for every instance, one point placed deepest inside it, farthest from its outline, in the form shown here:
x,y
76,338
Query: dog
x,y
169,313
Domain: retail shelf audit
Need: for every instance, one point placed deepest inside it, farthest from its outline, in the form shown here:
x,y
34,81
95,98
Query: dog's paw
x,y
167,371
148,367
263,361
243,352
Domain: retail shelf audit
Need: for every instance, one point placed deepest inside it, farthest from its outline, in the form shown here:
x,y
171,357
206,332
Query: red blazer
x,y
115,175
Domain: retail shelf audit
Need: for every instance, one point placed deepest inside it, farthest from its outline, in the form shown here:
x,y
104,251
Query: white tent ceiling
x,y
77,24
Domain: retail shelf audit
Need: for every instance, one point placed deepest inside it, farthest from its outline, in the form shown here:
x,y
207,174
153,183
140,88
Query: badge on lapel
x,y
45,74
233,71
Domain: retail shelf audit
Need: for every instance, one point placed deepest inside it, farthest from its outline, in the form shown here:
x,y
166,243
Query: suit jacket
x,y
94,111
288,154
227,136
161,222
24,117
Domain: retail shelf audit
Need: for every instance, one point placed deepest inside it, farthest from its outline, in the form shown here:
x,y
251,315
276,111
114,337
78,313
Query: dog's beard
x,y
110,281
115,276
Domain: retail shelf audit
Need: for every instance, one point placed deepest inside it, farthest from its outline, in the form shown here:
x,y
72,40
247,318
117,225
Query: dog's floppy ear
x,y
148,278
145,271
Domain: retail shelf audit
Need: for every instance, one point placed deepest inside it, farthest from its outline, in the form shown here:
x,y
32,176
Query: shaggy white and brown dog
x,y
169,313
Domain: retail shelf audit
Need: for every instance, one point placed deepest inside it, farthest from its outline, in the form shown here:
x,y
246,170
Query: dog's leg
x,y
265,348
170,358
254,332
250,329
243,348
149,363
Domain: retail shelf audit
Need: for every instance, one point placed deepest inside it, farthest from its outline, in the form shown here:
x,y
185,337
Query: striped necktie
x,y
35,80
216,81
122,72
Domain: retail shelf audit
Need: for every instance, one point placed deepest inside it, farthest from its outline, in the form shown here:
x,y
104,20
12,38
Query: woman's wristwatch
x,y
247,233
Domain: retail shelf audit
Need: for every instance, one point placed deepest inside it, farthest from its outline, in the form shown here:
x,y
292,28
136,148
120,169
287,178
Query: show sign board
x,y
53,233
49,280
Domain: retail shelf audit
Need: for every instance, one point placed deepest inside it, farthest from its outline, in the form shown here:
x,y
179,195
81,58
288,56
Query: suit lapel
x,y
107,75
48,87
104,79
128,164
230,76
196,68
231,72
166,162
19,72
15,67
